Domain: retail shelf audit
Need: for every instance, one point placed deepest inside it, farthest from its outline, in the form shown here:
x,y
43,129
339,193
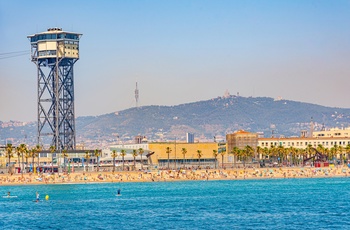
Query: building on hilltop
x,y
139,139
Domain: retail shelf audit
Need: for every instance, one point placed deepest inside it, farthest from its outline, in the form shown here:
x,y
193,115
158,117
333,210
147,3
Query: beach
x,y
173,175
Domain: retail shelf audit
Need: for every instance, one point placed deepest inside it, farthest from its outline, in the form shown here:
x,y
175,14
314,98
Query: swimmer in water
x,y
37,196
8,194
118,192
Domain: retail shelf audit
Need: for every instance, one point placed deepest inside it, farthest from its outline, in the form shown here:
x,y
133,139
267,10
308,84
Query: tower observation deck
x,y
54,52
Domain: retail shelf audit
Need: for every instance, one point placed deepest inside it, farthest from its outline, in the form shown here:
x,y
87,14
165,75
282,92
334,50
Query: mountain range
x,y
206,119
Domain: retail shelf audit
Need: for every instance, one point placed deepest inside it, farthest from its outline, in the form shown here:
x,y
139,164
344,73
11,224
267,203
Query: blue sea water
x,y
245,204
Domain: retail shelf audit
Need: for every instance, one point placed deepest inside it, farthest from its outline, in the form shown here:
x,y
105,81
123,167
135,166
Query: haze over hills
x,y
206,119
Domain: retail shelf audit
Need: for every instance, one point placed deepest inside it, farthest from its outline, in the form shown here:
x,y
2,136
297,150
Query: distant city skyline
x,y
181,51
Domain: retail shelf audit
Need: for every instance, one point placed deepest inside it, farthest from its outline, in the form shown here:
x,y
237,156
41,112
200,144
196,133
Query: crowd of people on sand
x,y
174,175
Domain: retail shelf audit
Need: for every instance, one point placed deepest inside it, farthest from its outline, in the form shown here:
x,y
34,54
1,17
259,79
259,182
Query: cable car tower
x,y
54,52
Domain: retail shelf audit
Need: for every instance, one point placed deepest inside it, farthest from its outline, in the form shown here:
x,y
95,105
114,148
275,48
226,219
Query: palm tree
x,y
97,154
114,155
215,154
347,150
87,157
123,153
266,152
33,154
9,154
281,152
184,151
235,151
168,151
38,150
199,154
27,155
259,151
341,151
223,152
141,151
248,152
64,155
52,149
18,152
134,154
23,149
332,153
273,152
293,152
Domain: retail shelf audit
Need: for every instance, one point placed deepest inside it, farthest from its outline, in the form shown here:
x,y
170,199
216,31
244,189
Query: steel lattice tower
x,y
55,52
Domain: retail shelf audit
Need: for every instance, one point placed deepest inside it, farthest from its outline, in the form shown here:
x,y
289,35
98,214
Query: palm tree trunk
x,y
22,164
123,163
64,163
222,161
9,164
37,169
33,164
52,162
19,163
113,164
168,162
141,162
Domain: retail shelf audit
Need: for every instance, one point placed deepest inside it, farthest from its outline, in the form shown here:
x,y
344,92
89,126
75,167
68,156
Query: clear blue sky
x,y
182,51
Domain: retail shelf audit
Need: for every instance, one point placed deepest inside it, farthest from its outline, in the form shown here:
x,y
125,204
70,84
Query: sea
x,y
235,204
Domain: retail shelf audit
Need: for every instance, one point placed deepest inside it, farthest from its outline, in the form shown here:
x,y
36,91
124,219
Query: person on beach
x,y
37,196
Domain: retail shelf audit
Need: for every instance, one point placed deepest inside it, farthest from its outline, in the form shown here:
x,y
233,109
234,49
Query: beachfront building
x,y
175,155
241,145
241,139
189,137
333,132
295,150
138,161
304,142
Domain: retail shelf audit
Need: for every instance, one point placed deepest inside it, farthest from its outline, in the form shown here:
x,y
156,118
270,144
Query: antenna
x,y
137,96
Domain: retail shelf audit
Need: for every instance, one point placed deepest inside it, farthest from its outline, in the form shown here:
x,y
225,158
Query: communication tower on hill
x,y
137,96
54,52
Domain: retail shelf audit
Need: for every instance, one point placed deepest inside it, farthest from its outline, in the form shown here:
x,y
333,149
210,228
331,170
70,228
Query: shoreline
x,y
173,176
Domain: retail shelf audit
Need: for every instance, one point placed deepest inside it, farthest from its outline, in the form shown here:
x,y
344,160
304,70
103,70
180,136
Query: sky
x,y
181,51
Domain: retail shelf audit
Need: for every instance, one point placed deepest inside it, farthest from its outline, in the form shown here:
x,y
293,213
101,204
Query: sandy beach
x,y
172,175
